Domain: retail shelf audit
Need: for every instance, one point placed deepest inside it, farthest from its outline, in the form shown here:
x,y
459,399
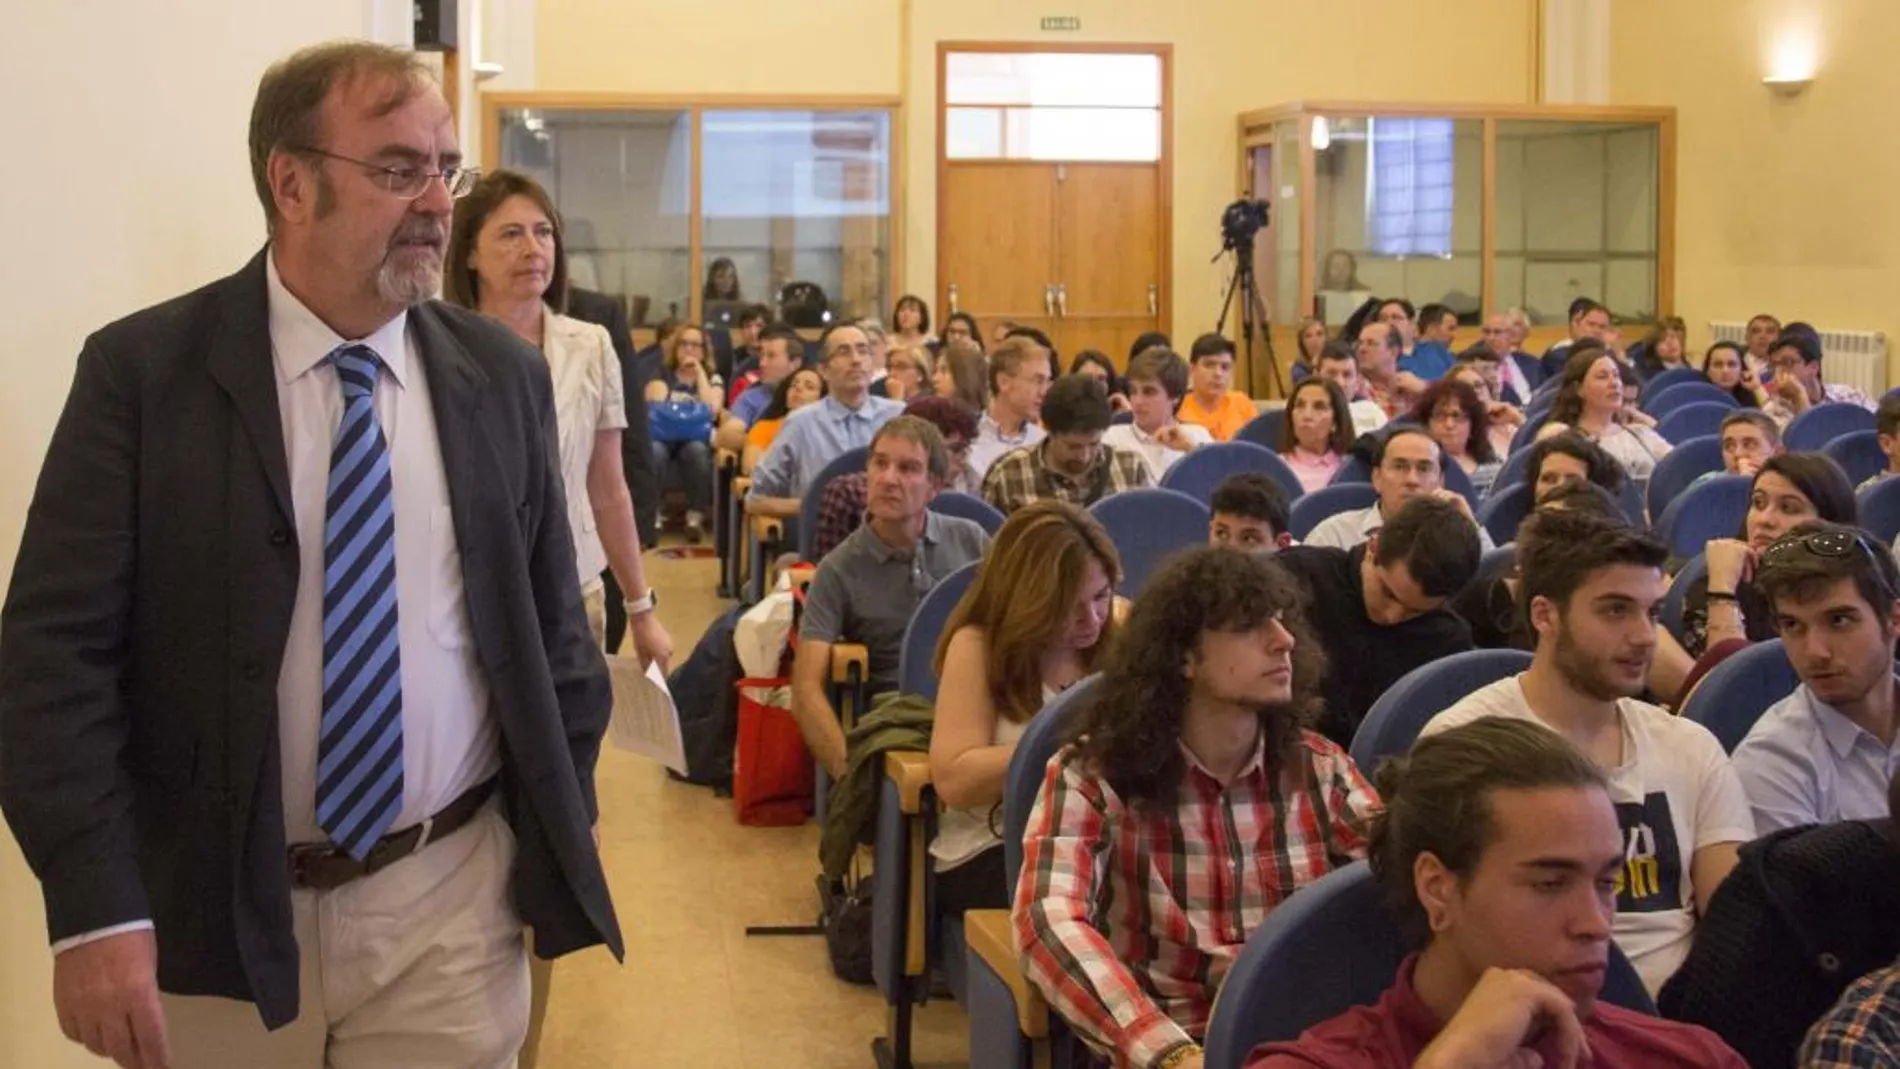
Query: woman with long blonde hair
x,y
1039,617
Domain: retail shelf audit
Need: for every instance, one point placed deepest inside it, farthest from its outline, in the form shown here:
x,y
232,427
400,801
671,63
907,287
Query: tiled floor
x,y
687,880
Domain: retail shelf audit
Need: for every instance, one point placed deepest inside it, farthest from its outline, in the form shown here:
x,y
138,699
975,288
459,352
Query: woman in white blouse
x,y
1590,400
506,261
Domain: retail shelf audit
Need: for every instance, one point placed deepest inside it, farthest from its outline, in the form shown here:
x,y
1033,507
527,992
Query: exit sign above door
x,y
1062,22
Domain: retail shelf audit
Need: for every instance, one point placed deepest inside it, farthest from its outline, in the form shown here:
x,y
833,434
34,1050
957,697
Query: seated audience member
x,y
960,327
907,373
1249,513
1211,402
1430,356
1312,339
1500,850
867,588
1378,609
1518,373
1149,339
1407,464
1317,432
1863,1030
1042,341
1096,365
1019,378
1338,365
841,508
844,420
1489,606
780,353
1662,349
802,387
1502,420
1071,463
1806,911
1590,589
1827,752
1398,313
910,322
962,372
880,355
1461,425
746,370
1760,334
1135,893
1571,458
1726,365
1156,380
1887,429
1798,385
1749,440
1039,616
1588,319
687,379
1788,490
1590,402
1393,389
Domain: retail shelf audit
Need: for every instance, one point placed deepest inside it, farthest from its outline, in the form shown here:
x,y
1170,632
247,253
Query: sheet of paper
x,y
645,721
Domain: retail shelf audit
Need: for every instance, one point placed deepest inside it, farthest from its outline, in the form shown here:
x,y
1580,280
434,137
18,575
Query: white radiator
x,y
1854,357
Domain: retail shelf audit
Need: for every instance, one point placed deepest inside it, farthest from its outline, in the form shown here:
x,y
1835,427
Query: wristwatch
x,y
645,603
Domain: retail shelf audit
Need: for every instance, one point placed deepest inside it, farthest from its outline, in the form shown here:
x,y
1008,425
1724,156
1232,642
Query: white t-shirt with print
x,y
1675,793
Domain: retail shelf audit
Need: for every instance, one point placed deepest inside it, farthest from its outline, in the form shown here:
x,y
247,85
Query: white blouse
x,y
588,398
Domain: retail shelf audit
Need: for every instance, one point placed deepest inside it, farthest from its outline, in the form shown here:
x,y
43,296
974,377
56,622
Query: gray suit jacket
x,y
145,626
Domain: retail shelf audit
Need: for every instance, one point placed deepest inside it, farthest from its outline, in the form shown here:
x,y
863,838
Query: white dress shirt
x,y
1344,530
1157,458
449,737
588,398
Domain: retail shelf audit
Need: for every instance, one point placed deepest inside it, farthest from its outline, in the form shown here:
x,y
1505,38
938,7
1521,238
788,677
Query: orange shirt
x,y
763,432
1224,421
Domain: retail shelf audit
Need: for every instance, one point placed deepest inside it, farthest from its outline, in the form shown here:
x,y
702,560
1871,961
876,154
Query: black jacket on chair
x,y
1806,913
144,631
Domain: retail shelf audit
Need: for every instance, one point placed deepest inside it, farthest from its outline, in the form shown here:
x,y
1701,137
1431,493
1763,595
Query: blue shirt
x,y
1806,763
752,401
814,436
1429,360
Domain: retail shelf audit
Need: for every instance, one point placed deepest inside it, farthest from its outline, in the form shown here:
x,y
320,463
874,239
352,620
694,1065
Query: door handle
x,y
1154,299
1049,300
953,298
1062,301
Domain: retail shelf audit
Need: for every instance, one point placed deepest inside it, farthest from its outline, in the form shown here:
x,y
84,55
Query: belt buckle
x,y
299,857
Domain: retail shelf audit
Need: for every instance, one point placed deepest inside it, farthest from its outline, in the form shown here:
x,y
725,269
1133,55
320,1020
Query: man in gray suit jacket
x,y
298,704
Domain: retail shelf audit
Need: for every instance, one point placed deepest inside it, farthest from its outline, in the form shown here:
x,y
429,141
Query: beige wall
x,y
1229,56
127,122
1782,205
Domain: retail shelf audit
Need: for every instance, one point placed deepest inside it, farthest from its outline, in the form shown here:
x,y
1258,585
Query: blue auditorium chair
x,y
1503,510
1148,526
1395,720
1707,510
1859,455
1879,507
1693,420
1662,380
968,507
1200,472
1329,947
1694,568
1736,692
1812,430
1686,461
1264,429
1326,501
1663,402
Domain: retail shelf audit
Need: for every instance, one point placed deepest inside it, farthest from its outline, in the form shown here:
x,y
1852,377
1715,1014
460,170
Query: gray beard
x,y
409,286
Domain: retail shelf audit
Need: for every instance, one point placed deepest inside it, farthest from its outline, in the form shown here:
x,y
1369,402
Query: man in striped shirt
x,y
1194,801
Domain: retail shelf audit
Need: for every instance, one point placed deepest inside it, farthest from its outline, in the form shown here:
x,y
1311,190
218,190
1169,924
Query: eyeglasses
x,y
1830,544
408,183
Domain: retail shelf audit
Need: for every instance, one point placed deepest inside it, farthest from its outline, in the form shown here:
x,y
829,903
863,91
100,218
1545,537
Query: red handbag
x,y
772,774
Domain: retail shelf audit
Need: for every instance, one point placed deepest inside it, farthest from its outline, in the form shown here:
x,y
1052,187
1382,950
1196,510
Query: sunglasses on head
x,y
1829,544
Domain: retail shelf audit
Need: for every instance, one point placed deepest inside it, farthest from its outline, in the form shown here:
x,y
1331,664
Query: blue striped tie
x,y
359,741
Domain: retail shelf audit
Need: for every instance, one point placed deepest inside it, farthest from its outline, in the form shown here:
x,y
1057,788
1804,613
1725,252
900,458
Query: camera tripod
x,y
1244,289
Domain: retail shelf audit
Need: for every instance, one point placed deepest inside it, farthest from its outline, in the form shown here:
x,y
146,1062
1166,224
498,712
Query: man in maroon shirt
x,y
1500,843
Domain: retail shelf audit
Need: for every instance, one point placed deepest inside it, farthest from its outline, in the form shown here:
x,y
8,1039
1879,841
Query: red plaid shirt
x,y
1128,919
840,512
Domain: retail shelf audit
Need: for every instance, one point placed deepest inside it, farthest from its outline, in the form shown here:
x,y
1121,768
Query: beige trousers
x,y
540,970
421,965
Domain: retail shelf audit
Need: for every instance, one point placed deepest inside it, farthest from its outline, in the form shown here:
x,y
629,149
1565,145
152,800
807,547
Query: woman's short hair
x,y
1022,598
460,284
1478,443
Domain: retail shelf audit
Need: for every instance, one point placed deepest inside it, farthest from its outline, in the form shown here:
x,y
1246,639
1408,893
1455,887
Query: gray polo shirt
x,y
865,591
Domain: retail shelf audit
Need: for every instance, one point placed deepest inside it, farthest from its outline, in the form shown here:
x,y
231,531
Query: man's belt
x,y
325,866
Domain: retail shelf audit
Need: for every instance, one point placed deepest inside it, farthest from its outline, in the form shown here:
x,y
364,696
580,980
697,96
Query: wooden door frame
x,y
694,107
1164,178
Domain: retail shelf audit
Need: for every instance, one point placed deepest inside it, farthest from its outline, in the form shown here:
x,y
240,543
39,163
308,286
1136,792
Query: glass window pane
x,y
1053,79
1129,134
973,133
1577,217
800,196
622,182
1399,209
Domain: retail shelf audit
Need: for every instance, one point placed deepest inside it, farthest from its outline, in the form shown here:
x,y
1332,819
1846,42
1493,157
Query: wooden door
x,y
997,243
1109,275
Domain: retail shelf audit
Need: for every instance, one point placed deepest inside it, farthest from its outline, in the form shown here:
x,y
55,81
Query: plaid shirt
x,y
1862,1031
1022,477
1831,393
840,512
1128,919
